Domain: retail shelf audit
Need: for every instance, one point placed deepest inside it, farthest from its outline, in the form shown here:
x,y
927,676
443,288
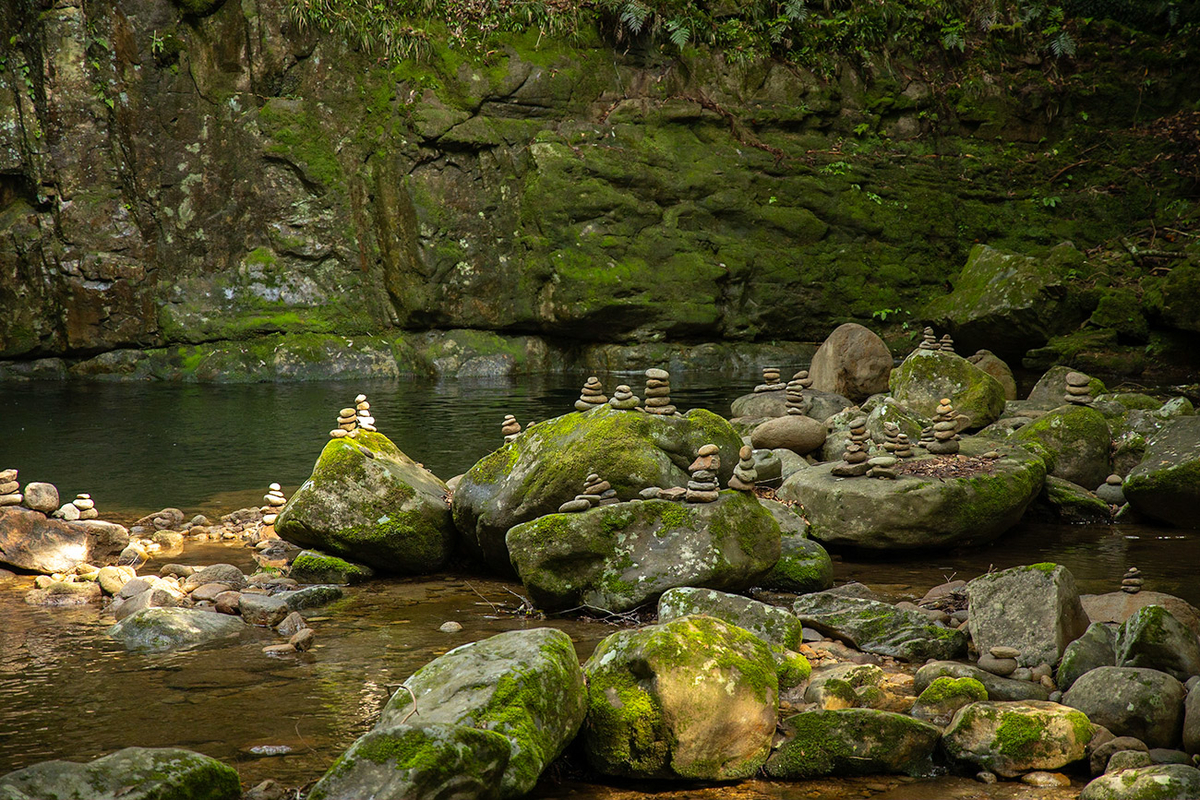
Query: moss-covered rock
x,y
926,376
1009,738
1121,311
1166,485
1093,649
161,629
998,688
1158,782
311,566
803,565
694,698
995,366
942,699
136,773
776,626
876,627
1143,703
917,512
1034,608
853,741
617,557
368,502
1074,441
1152,638
546,466
1063,501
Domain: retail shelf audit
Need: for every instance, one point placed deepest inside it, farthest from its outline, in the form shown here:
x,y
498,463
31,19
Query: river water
x,y
67,691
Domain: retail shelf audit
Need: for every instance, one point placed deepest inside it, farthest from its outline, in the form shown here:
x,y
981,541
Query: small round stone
x,y
708,450
1113,480
657,374
1001,651
450,627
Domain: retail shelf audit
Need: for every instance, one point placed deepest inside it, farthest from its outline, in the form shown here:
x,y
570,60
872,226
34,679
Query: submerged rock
x,y
30,540
876,627
157,629
1009,738
135,773
853,741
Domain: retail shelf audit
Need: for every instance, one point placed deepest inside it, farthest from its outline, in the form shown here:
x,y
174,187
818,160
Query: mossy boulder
x,y
135,773
694,698
998,688
546,466
1180,290
1157,782
1130,701
1092,650
942,699
776,626
853,741
803,565
926,376
915,512
995,366
1121,310
1166,485
1063,501
881,628
619,556
1116,607
369,503
1152,638
312,566
519,697
852,361
1074,441
161,629
1034,608
1010,738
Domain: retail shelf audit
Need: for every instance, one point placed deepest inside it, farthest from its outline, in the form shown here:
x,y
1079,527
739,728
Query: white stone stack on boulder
x,y
702,486
770,380
510,428
945,430
624,399
658,392
362,410
928,340
274,501
1132,582
1079,391
947,344
347,423
10,489
591,396
744,474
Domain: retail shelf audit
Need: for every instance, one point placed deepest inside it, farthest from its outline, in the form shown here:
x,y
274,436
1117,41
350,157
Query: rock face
x,y
157,629
32,541
1166,485
775,626
1074,441
370,503
1143,703
1035,609
1010,738
544,468
876,627
915,512
852,361
853,741
1158,782
1154,639
694,698
927,376
135,773
619,556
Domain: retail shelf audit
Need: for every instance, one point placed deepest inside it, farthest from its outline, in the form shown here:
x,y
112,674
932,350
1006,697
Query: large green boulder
x,y
881,628
1073,440
853,741
1010,738
1166,485
926,376
1034,608
546,465
942,699
803,565
619,556
518,698
694,698
1154,639
161,629
369,503
135,773
1130,701
913,511
776,626
313,566
1092,650
1158,782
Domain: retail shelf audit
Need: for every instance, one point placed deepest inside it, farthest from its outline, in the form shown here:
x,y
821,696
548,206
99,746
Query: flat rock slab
x,y
875,627
159,629
30,540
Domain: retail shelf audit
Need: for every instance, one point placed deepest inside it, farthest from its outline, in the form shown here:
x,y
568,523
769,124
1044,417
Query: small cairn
x,y
703,486
347,423
881,467
896,443
1111,490
929,340
797,403
903,447
1079,391
1132,582
744,474
591,395
10,489
509,428
624,399
363,412
947,344
274,501
596,492
854,459
945,430
658,392
770,380
82,507
926,437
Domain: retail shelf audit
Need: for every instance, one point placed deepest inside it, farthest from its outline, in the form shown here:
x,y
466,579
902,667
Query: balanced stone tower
x,y
1132,582
797,403
1079,390
347,423
770,380
10,494
945,430
591,396
928,340
274,501
596,492
658,392
855,457
509,428
86,505
744,474
703,486
624,399
903,447
363,411
947,344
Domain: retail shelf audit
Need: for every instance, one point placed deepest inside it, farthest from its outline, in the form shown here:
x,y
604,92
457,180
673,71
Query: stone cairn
x,y
926,437
1079,391
797,403
591,395
362,411
854,458
744,474
929,340
658,392
509,428
274,501
624,399
770,380
10,494
596,492
1132,582
947,344
895,442
703,486
945,430
82,507
347,423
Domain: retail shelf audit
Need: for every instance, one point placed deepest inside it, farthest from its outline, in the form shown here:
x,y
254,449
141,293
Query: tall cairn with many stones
x,y
591,396
658,392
